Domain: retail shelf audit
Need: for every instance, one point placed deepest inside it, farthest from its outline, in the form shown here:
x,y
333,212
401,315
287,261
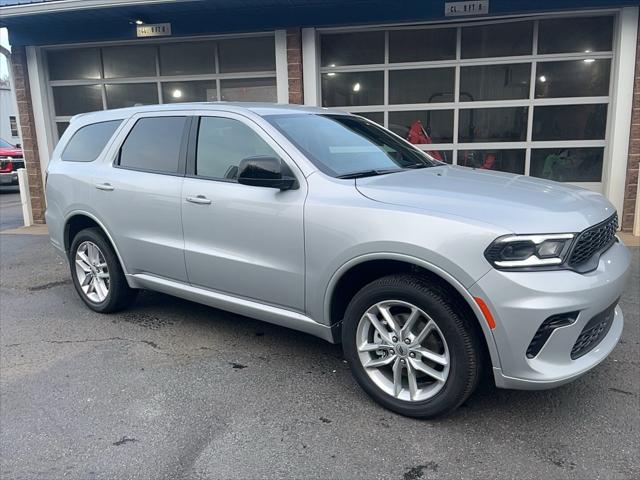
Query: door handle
x,y
107,187
199,199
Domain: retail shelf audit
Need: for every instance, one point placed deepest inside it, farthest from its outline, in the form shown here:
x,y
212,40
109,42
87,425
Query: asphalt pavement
x,y
170,389
10,209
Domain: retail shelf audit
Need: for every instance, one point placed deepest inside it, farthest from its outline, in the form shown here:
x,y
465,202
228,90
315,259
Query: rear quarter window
x,y
89,141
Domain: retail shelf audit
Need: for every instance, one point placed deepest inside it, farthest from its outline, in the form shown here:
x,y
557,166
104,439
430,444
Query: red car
x,y
11,159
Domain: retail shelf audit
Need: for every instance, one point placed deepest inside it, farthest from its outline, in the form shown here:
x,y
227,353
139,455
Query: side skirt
x,y
241,306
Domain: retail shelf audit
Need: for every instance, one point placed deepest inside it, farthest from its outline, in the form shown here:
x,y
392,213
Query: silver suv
x,y
325,222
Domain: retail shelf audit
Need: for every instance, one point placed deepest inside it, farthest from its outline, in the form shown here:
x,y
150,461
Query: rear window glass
x,y
154,145
87,143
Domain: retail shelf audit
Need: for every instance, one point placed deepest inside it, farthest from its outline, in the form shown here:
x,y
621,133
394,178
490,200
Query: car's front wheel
x,y
97,274
409,347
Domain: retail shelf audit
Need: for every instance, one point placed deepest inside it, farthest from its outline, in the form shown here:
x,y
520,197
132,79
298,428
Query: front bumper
x,y
10,178
521,301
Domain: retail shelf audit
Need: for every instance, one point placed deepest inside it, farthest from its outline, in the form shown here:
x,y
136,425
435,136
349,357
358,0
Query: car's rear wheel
x,y
97,274
409,347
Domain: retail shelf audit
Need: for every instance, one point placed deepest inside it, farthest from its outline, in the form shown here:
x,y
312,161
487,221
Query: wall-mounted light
x,y
138,22
356,87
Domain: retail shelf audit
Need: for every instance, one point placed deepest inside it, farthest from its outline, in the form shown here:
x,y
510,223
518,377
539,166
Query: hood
x,y
11,152
517,203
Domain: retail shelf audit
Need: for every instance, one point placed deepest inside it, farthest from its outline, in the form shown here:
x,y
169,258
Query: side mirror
x,y
262,171
18,145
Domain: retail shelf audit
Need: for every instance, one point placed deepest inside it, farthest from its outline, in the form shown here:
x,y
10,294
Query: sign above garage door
x,y
455,9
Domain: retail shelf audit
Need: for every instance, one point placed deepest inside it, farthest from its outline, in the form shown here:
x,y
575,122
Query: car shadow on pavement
x,y
6,189
535,408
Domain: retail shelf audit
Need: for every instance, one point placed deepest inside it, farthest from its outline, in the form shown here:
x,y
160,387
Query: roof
x,y
260,109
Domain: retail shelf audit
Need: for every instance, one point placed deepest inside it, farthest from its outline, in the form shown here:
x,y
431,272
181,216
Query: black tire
x,y
464,347
120,295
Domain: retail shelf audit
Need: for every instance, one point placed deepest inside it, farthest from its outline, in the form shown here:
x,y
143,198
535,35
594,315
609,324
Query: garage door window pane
x,y
223,143
423,127
154,145
445,156
495,82
498,40
511,161
131,95
74,64
493,124
576,78
61,127
187,58
567,164
249,90
352,49
77,99
570,122
87,143
129,61
247,55
421,86
352,89
204,91
422,45
587,34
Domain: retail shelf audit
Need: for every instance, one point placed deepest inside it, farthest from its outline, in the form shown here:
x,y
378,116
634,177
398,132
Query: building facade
x,y
548,90
8,115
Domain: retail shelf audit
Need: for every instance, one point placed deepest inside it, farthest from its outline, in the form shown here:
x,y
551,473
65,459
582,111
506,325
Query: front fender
x,y
451,280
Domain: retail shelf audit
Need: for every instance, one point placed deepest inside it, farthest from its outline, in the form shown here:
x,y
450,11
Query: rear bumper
x,y
521,301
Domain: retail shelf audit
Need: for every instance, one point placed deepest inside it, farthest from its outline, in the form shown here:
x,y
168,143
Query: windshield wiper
x,y
368,173
417,165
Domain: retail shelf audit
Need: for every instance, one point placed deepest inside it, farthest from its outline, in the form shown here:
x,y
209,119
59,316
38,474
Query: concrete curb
x,y
31,230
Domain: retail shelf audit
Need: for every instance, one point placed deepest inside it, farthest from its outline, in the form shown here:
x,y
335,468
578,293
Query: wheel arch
x,y
359,271
79,220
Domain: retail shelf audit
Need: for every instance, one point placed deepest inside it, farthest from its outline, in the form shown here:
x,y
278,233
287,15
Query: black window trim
x,y
107,143
182,152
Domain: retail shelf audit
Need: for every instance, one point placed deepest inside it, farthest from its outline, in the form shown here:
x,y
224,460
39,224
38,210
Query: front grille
x,y
593,332
594,240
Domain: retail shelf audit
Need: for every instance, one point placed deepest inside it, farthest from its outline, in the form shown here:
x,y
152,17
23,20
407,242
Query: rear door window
x,y
88,142
154,145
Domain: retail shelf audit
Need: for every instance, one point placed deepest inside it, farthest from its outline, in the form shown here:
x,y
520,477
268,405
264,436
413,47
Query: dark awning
x,y
46,22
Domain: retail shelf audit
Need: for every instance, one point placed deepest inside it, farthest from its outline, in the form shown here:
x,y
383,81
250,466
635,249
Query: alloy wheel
x,y
92,272
403,350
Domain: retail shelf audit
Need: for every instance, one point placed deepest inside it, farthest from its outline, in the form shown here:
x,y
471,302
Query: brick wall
x,y
28,132
631,184
294,65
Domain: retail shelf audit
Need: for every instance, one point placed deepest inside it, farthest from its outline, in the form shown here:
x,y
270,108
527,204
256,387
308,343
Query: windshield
x,y
347,146
4,144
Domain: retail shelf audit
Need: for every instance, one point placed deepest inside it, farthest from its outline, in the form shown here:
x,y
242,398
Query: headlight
x,y
529,251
